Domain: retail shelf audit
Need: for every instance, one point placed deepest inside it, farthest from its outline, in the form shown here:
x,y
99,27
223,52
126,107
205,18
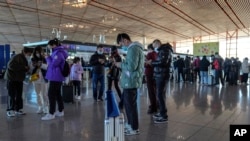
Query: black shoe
x,y
156,116
161,120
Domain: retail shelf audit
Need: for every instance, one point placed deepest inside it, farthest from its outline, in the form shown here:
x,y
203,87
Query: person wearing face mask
x,y
55,77
161,75
97,61
114,72
131,79
76,77
15,74
149,72
39,67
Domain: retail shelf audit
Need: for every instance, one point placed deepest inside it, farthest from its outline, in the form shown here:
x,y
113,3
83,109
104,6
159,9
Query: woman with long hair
x,y
39,70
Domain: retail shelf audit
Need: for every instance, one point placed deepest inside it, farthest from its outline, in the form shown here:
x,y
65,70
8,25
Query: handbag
x,y
112,107
34,77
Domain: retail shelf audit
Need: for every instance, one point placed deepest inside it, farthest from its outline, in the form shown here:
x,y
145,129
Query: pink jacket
x,y
76,72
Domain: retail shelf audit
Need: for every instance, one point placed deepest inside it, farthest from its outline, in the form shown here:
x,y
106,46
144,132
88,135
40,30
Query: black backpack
x,y
66,69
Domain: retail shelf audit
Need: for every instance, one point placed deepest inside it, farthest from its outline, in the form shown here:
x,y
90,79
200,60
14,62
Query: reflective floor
x,y
196,113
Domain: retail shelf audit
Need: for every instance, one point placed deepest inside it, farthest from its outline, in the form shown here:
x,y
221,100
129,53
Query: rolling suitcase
x,y
68,93
114,128
114,120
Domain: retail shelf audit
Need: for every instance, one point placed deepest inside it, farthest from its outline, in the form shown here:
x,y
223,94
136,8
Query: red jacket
x,y
149,70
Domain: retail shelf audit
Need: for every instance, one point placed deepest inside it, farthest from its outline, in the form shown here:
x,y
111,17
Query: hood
x,y
136,44
61,49
167,45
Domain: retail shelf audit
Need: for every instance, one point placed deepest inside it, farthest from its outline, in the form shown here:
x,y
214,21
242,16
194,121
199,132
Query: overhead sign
x,y
201,49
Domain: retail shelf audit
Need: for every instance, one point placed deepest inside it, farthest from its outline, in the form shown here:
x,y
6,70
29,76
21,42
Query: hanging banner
x,y
201,49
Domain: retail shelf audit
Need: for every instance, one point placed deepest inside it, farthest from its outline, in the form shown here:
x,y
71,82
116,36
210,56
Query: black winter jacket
x,y
163,62
97,67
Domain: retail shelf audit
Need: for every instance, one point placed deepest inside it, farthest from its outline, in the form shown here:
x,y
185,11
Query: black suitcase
x,y
68,93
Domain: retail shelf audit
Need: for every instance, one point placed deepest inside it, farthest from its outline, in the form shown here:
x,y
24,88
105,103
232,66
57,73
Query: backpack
x,y
66,69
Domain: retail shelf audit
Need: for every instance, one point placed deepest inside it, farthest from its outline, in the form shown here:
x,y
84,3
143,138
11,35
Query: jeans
x,y
204,77
161,91
95,79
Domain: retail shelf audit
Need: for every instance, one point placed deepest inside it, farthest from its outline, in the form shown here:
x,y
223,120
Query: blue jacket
x,y
55,64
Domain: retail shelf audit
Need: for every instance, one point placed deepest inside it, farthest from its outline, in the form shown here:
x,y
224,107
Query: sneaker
x,y
48,117
127,127
40,110
78,97
11,113
158,115
132,132
161,120
100,99
46,110
20,112
59,114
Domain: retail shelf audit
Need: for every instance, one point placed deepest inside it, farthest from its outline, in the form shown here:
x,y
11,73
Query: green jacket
x,y
133,67
16,70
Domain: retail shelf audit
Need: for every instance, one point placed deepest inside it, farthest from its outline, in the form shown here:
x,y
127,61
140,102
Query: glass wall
x,y
243,46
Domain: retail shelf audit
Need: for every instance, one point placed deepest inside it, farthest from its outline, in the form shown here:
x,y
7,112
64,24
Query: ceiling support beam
x,y
187,18
232,43
136,18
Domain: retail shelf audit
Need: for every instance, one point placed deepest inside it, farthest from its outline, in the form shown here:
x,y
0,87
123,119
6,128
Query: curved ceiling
x,y
23,21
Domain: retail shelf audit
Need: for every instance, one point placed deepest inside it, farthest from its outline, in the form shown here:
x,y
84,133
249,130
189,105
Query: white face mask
x,y
28,58
38,55
99,52
156,50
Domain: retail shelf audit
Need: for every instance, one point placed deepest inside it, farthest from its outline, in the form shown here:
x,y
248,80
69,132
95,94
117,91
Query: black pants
x,y
130,98
116,83
181,74
244,78
151,93
197,74
218,76
161,91
15,91
77,87
54,94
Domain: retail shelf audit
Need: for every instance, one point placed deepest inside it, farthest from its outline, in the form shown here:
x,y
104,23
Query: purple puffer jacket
x,y
55,64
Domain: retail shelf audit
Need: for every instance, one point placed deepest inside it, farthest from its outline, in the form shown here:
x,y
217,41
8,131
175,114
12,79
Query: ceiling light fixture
x,y
107,18
174,2
73,25
76,3
56,32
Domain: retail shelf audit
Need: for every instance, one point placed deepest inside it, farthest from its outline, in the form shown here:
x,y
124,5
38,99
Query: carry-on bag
x,y
68,93
114,120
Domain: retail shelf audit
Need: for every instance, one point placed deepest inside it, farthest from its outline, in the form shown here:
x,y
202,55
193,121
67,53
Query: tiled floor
x,y
196,113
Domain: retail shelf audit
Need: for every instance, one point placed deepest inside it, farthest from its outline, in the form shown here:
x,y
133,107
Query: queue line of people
x,y
216,72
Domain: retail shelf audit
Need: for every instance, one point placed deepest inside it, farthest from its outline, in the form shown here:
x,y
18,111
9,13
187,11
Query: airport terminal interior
x,y
196,112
